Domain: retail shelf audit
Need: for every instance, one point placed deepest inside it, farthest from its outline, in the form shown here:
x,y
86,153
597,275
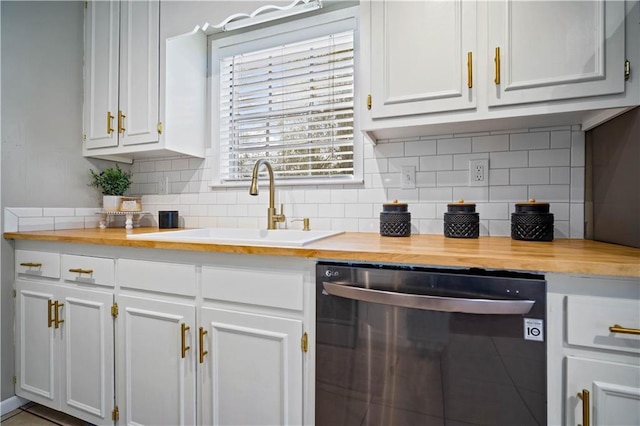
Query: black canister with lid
x,y
395,220
532,222
461,220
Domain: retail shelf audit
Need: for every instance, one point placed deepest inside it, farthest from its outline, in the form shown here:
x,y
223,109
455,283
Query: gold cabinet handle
x,y
50,319
203,353
109,123
183,335
584,396
469,70
617,328
31,264
497,61
81,271
121,118
57,319
369,102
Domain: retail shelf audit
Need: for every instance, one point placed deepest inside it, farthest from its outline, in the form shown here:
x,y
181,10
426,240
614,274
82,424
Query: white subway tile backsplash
x,y
404,195
498,176
499,211
544,163
508,193
425,179
435,195
454,146
561,139
490,143
26,211
10,221
452,178
474,194
389,150
31,223
419,148
461,161
577,149
560,176
549,193
577,185
506,160
529,141
71,222
436,163
528,176
500,228
576,221
550,157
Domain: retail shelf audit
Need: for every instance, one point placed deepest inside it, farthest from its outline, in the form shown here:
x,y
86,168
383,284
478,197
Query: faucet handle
x,y
305,223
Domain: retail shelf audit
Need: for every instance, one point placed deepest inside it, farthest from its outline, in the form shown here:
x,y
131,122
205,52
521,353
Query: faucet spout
x,y
272,217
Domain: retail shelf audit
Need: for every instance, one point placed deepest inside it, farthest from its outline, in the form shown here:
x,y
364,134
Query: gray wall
x,y
42,163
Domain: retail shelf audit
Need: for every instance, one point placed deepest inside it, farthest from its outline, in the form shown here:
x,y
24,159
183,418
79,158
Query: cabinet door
x,y
614,392
252,374
87,370
36,348
419,56
555,49
102,21
139,71
156,368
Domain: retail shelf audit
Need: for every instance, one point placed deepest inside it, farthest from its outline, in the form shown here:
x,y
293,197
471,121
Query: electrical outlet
x,y
479,172
163,185
408,177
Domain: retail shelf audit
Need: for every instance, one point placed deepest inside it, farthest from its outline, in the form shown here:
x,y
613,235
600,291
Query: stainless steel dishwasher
x,y
417,346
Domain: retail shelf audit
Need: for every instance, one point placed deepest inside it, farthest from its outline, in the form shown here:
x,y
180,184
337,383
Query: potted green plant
x,y
112,183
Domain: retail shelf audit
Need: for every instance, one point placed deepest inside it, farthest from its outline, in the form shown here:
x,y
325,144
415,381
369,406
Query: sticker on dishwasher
x,y
534,329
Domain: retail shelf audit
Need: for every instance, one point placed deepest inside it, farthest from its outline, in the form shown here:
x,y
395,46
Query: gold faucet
x,y
272,216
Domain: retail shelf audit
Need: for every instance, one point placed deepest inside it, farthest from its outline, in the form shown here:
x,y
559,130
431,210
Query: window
x,y
288,98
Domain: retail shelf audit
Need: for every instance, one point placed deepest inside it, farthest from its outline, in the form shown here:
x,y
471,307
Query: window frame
x,y
224,45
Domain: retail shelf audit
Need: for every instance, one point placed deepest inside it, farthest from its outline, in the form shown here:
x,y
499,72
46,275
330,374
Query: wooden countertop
x,y
562,255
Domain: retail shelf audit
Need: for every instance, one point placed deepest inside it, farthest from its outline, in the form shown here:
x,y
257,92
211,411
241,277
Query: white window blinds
x,y
293,105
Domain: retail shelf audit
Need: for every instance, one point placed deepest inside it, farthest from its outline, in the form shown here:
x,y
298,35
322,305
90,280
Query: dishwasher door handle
x,y
431,303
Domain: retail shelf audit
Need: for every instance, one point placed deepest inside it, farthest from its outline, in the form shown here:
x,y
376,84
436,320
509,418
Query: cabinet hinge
x,y
627,69
305,342
15,293
86,4
159,127
115,414
15,380
84,137
369,101
114,310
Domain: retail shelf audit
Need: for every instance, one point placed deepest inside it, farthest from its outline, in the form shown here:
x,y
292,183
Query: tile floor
x,y
32,414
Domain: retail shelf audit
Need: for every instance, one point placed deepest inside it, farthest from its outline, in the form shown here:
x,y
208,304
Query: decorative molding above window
x,y
262,15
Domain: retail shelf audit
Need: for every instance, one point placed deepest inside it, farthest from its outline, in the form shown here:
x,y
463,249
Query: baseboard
x,y
10,404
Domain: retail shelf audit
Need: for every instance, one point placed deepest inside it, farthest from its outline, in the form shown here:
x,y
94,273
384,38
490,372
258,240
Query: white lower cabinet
x,y
252,371
608,392
594,350
156,364
64,349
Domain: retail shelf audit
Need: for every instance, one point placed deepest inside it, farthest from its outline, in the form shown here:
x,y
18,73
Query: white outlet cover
x,y
481,164
407,177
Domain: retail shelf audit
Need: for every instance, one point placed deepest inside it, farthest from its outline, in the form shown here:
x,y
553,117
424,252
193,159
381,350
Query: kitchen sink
x,y
239,236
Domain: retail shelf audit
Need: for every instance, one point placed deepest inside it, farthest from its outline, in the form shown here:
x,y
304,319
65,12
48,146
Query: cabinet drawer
x,y
277,289
89,270
589,319
38,263
172,278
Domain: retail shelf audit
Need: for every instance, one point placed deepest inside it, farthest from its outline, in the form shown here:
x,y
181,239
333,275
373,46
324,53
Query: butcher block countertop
x,y
561,255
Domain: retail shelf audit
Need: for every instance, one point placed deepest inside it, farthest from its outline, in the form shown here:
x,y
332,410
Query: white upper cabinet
x,y
550,50
409,73
131,73
429,67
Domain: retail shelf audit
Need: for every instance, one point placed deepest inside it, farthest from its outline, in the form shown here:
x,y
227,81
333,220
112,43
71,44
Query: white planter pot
x,y
111,202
